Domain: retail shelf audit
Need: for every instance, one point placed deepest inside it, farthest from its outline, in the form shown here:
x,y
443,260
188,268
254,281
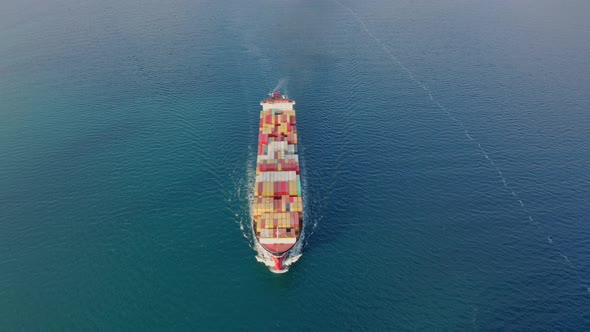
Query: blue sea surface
x,y
445,148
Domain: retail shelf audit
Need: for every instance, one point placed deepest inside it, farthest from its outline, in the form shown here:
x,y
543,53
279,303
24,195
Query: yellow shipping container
x,y
266,189
292,187
263,205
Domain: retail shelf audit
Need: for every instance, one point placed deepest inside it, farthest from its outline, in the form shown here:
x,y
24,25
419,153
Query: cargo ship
x,y
277,209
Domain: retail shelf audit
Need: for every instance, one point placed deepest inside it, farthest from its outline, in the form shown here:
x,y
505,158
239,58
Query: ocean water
x,y
445,149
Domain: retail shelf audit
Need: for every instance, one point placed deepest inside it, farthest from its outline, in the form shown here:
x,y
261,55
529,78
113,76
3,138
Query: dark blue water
x,y
445,147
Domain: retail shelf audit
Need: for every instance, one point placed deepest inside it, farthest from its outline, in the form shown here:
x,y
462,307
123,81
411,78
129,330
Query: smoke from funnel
x,y
281,85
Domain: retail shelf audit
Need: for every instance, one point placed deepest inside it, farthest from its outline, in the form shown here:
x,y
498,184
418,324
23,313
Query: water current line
x,y
470,138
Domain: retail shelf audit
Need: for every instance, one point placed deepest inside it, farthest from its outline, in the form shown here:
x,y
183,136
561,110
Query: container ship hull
x,y
278,206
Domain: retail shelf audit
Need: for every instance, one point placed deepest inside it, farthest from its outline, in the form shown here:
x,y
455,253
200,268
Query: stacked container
x,y
278,205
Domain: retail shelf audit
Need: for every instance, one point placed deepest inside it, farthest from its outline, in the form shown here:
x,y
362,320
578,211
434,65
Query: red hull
x,y
277,249
278,262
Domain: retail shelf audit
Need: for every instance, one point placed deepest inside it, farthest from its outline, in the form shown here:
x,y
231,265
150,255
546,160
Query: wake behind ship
x,y
278,207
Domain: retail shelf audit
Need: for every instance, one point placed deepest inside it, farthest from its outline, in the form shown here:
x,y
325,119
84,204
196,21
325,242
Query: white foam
x,y
565,257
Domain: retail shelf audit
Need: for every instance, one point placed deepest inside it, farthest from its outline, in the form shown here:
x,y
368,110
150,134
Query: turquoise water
x,y
444,146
